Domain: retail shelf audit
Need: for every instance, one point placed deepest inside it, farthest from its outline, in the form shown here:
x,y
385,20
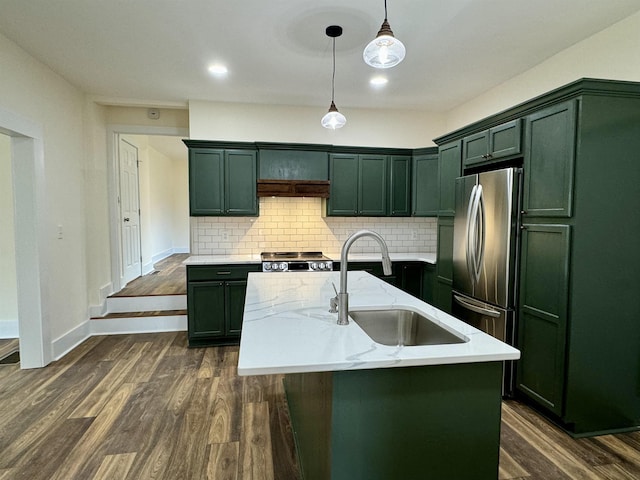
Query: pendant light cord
x,y
385,10
333,75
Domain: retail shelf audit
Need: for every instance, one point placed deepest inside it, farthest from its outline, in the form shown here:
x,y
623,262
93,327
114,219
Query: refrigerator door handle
x,y
469,234
475,308
480,234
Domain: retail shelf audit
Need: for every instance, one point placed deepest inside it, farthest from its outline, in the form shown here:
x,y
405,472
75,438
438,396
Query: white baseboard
x,y
9,328
70,340
162,255
101,309
147,268
115,326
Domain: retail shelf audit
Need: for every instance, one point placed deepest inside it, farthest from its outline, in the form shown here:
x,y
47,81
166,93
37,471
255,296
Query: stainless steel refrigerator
x,y
485,253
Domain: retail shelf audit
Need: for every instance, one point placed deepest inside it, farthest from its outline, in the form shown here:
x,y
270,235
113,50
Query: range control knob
x,y
283,266
314,266
266,266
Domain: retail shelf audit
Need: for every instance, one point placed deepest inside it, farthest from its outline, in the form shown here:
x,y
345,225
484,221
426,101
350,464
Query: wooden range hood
x,y
293,188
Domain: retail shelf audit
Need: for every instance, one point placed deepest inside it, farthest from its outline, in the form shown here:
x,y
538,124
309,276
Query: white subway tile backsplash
x,y
298,224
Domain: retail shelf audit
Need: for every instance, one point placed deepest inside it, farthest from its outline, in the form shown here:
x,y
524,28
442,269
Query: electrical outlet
x,y
59,232
414,235
225,235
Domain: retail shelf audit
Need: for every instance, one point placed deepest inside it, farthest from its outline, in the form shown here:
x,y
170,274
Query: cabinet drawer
x,y
196,273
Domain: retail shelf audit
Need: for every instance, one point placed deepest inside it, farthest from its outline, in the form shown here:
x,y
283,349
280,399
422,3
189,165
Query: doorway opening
x,y
29,234
162,199
9,335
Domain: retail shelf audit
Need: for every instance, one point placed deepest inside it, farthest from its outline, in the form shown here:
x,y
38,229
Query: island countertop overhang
x,y
287,328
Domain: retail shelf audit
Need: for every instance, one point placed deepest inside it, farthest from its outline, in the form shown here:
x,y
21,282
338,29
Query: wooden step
x,y
154,313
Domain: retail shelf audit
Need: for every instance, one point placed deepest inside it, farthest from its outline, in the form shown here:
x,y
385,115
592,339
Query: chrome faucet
x,y
343,296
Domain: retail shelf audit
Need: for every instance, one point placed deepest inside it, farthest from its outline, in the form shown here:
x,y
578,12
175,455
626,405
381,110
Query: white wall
x,y
33,91
279,123
613,53
8,283
96,204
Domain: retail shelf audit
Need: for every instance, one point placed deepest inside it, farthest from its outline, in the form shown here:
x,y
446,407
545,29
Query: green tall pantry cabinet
x,y
578,325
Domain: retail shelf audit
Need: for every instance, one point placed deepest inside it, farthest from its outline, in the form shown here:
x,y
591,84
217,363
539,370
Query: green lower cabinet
x,y
443,296
215,303
542,330
235,293
428,282
411,278
429,423
205,306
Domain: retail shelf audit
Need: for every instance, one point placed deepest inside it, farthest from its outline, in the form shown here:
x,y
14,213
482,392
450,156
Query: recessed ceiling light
x,y
218,70
378,81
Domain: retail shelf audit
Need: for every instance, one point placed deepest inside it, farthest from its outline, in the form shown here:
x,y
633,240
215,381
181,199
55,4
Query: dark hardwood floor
x,y
147,407
168,278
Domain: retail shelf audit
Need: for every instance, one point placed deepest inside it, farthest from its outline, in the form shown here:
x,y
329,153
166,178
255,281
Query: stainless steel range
x,y
295,262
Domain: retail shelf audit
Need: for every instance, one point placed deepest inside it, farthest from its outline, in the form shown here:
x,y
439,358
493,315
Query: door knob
x,y
126,219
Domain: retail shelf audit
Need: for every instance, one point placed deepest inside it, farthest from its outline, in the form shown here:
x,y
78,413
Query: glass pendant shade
x,y
333,118
384,51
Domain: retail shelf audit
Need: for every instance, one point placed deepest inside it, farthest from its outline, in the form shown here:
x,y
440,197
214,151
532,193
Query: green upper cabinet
x,y
293,161
372,185
549,161
542,332
425,185
400,186
206,192
493,144
449,169
358,185
222,182
240,182
343,171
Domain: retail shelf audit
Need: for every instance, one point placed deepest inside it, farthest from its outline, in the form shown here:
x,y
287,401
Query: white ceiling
x,y
156,52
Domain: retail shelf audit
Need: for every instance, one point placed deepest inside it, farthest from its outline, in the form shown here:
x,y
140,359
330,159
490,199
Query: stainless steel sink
x,y
402,327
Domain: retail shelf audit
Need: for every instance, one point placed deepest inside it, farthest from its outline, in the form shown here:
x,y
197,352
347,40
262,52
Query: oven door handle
x,y
475,308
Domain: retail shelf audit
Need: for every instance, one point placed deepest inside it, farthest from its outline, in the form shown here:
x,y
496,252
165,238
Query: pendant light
x,y
333,118
384,51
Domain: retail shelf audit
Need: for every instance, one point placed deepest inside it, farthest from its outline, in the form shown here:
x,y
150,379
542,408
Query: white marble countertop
x,y
287,328
353,257
221,259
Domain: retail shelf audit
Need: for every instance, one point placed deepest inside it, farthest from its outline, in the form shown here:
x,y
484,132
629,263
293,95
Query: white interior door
x,y
129,212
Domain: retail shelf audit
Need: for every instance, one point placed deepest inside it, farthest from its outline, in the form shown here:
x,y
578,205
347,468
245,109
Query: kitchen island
x,y
361,409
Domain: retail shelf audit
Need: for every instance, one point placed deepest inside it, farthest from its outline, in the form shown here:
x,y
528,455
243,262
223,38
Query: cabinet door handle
x,y
224,273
